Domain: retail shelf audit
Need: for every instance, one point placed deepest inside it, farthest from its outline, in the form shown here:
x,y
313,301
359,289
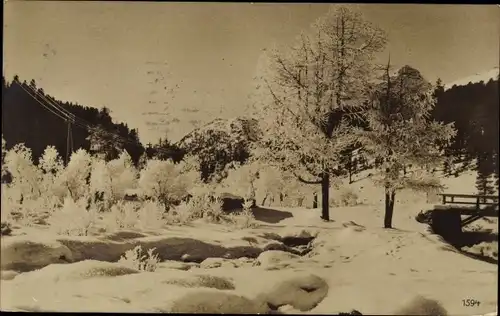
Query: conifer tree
x,y
401,134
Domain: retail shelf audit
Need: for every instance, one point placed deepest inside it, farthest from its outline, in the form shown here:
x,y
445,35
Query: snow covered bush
x,y
73,218
180,214
206,203
190,170
29,198
110,181
269,184
36,211
162,181
241,179
74,178
11,206
346,197
349,198
151,215
245,218
122,215
136,260
123,175
294,192
25,175
100,185
51,165
213,211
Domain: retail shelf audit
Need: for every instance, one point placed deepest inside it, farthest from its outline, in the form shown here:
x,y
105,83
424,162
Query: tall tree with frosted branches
x,y
311,94
402,135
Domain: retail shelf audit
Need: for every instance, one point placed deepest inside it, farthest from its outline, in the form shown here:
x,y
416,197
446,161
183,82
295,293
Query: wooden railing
x,y
477,200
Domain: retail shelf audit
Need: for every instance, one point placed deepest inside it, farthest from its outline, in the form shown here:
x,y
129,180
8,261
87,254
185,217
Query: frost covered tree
x,y
402,135
269,183
190,168
74,178
123,175
100,186
110,181
162,181
51,165
25,175
241,179
311,95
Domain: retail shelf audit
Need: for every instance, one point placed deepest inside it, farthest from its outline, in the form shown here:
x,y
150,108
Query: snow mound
x,y
217,303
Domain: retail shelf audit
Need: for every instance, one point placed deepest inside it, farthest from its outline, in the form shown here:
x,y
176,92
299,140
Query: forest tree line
x,y
472,108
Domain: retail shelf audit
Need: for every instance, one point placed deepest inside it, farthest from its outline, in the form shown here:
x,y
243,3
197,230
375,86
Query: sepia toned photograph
x,y
250,158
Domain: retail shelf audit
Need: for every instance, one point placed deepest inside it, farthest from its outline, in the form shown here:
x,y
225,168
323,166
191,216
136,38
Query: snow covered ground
x,y
350,263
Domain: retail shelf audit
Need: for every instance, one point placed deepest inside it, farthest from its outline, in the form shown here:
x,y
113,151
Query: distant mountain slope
x,y
484,76
237,128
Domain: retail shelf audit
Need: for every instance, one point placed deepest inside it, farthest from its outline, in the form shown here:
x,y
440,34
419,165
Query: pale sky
x,y
203,55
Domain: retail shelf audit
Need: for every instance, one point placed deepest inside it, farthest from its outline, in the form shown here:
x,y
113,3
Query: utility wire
x,y
67,116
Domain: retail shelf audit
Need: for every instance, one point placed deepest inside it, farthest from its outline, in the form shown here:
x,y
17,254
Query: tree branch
x,y
306,181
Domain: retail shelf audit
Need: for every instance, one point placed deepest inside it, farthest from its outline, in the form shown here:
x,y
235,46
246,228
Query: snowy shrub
x,y
25,175
241,179
100,185
150,215
136,260
51,165
122,215
205,203
180,214
269,184
74,178
36,211
213,211
190,169
110,181
11,205
348,198
163,182
245,218
73,218
344,197
123,175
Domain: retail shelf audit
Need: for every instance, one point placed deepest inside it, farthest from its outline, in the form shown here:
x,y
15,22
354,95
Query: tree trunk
x,y
350,167
264,200
300,201
325,193
389,207
315,200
